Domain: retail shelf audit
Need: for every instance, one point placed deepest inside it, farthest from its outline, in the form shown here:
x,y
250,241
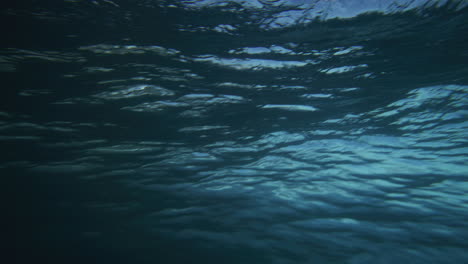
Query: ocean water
x,y
216,131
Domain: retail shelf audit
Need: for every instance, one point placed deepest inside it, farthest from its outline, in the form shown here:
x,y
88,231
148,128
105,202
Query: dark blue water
x,y
235,131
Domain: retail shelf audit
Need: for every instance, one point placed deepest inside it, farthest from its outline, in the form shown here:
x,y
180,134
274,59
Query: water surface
x,y
236,131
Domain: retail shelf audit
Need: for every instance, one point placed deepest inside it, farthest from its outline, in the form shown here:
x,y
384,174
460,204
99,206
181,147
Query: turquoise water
x,y
235,131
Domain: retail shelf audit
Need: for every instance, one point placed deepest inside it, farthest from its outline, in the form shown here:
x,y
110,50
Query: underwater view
x,y
211,131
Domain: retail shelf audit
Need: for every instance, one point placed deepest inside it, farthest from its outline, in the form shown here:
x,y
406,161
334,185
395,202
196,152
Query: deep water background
x,y
234,131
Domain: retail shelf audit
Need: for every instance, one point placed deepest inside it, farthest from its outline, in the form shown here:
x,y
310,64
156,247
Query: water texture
x,y
235,131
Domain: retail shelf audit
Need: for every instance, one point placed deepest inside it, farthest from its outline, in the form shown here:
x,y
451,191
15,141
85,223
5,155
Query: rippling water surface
x,y
236,131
